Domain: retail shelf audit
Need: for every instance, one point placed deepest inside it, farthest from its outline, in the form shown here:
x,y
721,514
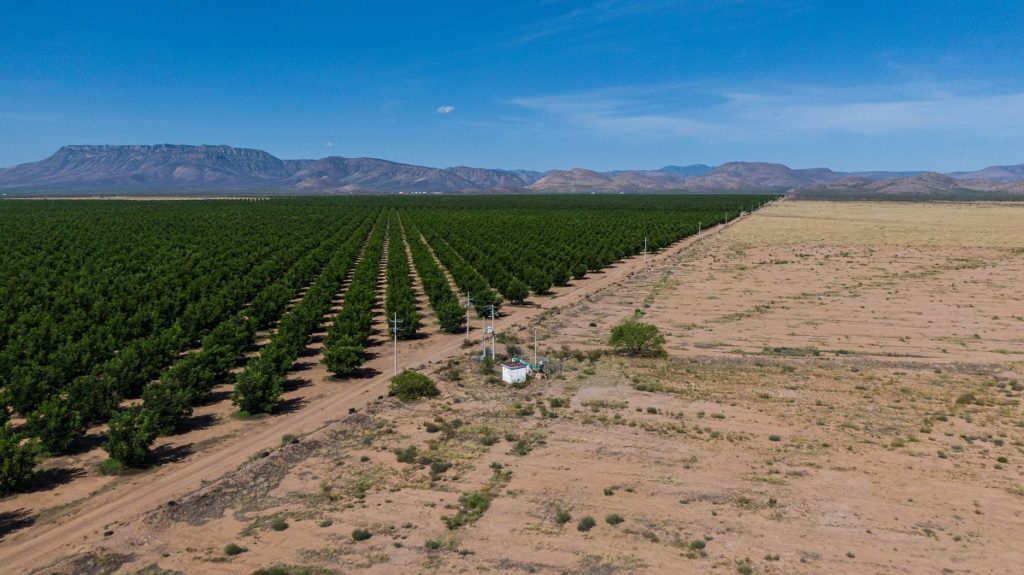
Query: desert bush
x,y
562,516
472,506
637,339
407,455
586,524
233,549
613,519
361,534
411,385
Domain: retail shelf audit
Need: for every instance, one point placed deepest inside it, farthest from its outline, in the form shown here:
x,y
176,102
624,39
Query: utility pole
x,y
698,229
534,345
492,332
645,250
469,305
483,338
394,330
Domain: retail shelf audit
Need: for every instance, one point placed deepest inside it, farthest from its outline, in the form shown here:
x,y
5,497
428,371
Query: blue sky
x,y
537,84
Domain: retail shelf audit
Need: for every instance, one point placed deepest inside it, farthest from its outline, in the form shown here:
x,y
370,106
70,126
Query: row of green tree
x,y
258,388
525,247
62,417
451,313
344,348
113,293
465,275
400,298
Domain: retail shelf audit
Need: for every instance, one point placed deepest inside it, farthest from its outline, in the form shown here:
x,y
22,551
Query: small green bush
x,y
233,549
278,524
613,519
361,534
407,455
586,524
562,517
412,385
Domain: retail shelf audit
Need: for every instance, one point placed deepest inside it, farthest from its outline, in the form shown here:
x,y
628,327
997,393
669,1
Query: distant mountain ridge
x,y
168,168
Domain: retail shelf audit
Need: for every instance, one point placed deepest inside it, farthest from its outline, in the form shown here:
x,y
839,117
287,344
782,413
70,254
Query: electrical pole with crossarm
x,y
394,330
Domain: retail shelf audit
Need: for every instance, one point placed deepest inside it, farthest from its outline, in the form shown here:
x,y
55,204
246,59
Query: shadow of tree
x,y
196,422
294,383
11,521
289,405
169,454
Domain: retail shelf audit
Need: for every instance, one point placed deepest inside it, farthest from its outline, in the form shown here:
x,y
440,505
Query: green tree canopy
x,y
130,433
638,339
17,460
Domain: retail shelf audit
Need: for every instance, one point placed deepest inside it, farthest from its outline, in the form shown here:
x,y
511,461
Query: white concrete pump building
x,y
514,372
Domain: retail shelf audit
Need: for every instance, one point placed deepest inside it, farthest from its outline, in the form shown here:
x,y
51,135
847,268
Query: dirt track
x,y
35,546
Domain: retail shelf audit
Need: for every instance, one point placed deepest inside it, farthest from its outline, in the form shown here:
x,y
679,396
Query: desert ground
x,y
842,394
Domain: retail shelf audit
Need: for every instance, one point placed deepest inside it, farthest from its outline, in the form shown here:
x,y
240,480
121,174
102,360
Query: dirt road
x,y
35,546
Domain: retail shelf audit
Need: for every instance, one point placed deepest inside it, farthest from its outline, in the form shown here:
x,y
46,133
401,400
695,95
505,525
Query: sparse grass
x,y
111,467
613,519
406,455
291,570
562,516
586,524
791,351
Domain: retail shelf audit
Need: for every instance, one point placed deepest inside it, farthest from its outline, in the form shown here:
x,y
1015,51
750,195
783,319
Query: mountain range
x,y
169,169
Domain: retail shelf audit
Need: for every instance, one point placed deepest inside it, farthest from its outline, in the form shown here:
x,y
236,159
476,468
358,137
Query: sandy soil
x,y
763,444
75,505
915,282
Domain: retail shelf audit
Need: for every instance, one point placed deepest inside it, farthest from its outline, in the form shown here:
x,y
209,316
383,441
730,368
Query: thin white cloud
x,y
329,144
731,115
445,109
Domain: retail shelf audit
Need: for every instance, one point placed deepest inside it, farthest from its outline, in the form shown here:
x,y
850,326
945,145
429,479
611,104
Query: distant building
x,y
514,372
